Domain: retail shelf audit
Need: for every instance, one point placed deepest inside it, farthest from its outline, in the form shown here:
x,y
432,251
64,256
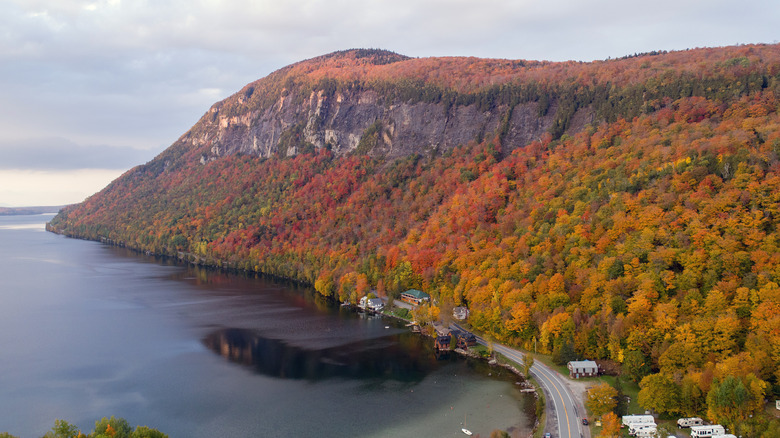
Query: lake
x,y
89,330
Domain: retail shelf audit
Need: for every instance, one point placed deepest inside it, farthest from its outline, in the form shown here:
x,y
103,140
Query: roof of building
x,y
418,294
583,364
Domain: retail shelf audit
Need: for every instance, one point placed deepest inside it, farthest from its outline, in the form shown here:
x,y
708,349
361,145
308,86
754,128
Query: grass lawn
x,y
480,350
547,360
630,389
398,312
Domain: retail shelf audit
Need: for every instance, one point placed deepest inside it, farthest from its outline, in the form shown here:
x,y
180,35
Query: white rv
x,y
689,422
628,420
707,431
636,428
650,432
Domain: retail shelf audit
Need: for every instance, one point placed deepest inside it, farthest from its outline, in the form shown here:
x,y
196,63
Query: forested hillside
x,y
640,225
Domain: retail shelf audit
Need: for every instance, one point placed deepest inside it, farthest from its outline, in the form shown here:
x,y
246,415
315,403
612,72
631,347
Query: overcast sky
x,y
89,89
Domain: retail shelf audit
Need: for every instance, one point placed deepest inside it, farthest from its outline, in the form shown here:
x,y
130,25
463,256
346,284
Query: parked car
x,y
547,435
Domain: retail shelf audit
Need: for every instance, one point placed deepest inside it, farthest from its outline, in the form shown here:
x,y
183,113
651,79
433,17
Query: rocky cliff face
x,y
362,119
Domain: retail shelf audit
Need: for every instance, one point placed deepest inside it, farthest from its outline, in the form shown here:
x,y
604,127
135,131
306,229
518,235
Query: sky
x,y
91,88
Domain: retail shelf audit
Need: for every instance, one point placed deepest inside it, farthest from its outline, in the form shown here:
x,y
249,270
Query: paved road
x,y
565,411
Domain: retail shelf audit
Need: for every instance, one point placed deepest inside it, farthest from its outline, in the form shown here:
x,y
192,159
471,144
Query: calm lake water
x,y
89,330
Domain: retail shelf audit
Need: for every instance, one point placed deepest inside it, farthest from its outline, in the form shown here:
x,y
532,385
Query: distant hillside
x,y
19,211
623,210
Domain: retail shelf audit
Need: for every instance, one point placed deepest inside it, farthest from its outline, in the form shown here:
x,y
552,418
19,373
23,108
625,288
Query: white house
x,y
375,304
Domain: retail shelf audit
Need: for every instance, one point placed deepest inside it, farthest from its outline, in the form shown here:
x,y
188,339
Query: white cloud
x,y
19,188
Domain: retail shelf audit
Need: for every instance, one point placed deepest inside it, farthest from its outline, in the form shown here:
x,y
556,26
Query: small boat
x,y
463,429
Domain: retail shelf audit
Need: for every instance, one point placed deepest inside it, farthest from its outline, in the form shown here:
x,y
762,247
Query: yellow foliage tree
x,y
556,326
610,426
601,399
521,317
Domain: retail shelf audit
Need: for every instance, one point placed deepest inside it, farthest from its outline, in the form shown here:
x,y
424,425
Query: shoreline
x,y
493,360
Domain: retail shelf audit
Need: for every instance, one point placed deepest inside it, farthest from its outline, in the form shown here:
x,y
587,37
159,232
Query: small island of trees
x,y
104,428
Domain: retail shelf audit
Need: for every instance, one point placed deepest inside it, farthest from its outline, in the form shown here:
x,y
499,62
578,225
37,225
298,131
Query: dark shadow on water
x,y
376,358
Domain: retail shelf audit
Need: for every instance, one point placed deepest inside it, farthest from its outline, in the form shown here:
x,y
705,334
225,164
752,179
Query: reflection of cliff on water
x,y
373,358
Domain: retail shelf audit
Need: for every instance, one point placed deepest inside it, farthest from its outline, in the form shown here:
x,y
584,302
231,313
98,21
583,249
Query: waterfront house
x,y
375,304
583,368
414,296
464,339
442,342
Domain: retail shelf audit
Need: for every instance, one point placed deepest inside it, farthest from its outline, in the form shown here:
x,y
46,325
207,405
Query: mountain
x,y
624,210
380,104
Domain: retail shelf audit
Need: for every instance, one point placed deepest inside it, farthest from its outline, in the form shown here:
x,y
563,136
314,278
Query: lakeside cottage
x,y
465,339
415,297
443,337
442,342
375,304
583,368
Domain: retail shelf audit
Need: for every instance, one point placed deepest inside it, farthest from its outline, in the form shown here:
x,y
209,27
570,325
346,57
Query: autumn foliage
x,y
650,237
610,426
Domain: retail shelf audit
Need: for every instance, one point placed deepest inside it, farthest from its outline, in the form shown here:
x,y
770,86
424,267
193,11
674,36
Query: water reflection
x,y
387,357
